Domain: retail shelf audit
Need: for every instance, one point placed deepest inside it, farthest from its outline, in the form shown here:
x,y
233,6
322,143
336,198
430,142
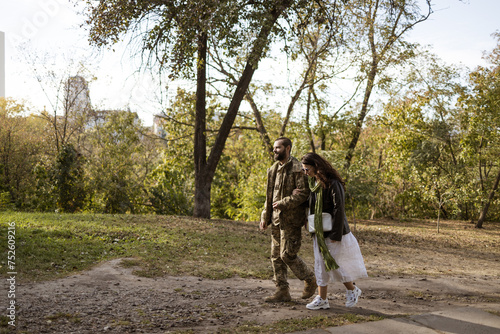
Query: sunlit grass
x,y
302,324
417,248
56,245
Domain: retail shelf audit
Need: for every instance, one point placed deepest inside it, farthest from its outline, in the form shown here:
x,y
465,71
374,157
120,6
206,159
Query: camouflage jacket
x,y
292,209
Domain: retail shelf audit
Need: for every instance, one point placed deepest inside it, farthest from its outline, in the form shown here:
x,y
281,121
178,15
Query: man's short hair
x,y
285,141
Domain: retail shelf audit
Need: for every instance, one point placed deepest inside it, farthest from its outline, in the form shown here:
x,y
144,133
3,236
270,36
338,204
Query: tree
x,y
229,72
481,121
423,137
68,177
310,46
119,160
21,143
171,183
176,34
315,39
380,26
69,101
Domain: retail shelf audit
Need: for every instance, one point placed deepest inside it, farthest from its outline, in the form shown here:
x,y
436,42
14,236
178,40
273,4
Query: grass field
x,y
54,245
49,246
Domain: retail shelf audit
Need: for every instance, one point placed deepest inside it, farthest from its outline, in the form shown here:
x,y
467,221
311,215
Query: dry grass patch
x,y
56,245
416,247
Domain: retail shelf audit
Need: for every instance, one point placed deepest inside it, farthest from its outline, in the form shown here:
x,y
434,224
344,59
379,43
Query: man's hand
x,y
296,191
263,225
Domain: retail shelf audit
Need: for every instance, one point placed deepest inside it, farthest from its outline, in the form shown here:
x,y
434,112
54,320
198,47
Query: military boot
x,y
309,288
281,295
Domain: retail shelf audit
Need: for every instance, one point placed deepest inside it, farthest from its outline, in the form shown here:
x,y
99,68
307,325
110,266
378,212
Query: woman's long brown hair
x,y
324,169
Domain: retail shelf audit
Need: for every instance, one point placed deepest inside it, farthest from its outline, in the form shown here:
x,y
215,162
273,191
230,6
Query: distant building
x,y
76,97
2,64
158,128
97,118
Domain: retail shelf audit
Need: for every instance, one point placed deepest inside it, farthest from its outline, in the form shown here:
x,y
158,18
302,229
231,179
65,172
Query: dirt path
x,y
110,299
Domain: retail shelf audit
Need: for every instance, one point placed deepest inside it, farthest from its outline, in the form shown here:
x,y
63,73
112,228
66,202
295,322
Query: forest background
x,y
413,137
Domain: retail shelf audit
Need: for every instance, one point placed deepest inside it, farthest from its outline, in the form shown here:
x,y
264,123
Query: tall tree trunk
x,y
482,217
308,125
397,12
289,110
260,125
202,186
307,78
361,117
204,177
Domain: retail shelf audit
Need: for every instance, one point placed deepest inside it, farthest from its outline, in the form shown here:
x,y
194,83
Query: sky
x,y
46,35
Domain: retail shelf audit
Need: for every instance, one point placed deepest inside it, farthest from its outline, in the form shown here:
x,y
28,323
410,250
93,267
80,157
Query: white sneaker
x,y
318,303
352,296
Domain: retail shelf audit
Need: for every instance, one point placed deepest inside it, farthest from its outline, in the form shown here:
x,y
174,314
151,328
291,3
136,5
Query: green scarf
x,y
318,225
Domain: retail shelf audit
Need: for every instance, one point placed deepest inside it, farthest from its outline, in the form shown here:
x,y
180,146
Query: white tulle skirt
x,y
347,255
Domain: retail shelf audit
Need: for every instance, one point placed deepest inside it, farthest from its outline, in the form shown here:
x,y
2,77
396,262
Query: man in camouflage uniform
x,y
286,214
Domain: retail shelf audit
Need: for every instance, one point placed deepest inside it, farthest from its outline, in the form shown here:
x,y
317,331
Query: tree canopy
x,y
427,147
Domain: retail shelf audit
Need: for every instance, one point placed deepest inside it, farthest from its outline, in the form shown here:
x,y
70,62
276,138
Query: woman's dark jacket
x,y
334,204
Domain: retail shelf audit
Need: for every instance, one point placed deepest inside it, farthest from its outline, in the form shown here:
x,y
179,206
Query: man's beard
x,y
279,156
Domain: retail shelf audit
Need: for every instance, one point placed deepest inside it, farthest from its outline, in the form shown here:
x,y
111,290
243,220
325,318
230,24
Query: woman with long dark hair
x,y
337,257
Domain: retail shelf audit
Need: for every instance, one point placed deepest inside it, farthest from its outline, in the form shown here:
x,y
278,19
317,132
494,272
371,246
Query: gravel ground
x,y
111,299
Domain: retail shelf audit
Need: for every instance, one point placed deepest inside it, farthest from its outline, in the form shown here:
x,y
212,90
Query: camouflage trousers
x,y
285,245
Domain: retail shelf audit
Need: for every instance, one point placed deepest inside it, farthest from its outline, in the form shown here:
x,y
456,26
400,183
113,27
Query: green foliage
x,y
422,155
6,201
174,28
171,189
480,125
117,164
302,324
239,176
20,147
43,196
68,177
239,185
